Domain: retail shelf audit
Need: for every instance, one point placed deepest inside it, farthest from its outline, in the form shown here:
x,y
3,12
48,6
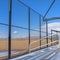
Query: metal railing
x,y
52,42
29,29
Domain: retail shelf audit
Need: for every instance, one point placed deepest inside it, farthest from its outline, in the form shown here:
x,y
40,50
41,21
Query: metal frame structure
x,y
47,21
29,21
10,25
52,33
53,18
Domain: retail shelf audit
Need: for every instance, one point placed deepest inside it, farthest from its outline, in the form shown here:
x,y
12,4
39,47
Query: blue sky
x,y
20,14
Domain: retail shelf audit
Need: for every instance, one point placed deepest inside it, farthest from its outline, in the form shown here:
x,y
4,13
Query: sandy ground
x,y
21,44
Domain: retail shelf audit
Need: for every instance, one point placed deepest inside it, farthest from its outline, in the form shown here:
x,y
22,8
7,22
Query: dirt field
x,y
21,44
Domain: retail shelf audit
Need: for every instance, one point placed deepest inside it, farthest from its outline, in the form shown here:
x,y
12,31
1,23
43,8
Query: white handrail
x,y
42,45
39,40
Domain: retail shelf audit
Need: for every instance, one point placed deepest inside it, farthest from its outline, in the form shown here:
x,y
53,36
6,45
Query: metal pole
x,y
29,28
9,37
40,29
51,37
53,18
47,32
49,8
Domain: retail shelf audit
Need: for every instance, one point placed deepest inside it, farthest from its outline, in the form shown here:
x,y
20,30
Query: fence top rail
x,y
52,18
29,7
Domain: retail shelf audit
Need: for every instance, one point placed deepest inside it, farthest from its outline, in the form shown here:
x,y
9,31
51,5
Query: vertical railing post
x,y
47,32
40,29
29,28
9,28
51,37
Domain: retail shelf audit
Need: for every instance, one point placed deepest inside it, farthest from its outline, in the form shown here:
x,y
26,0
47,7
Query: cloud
x,y
53,26
15,32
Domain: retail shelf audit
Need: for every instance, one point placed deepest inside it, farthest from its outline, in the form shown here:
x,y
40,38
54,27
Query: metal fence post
x,y
47,32
51,37
9,28
40,29
29,28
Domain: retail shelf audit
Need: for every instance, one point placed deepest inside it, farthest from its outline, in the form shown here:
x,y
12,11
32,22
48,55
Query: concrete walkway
x,y
38,55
